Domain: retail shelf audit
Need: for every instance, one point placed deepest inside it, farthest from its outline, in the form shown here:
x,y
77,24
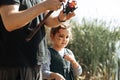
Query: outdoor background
x,y
96,39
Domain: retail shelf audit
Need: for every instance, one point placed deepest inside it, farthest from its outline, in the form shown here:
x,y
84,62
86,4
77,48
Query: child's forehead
x,y
64,31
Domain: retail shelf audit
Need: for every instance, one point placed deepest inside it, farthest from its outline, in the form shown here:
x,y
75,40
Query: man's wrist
x,y
60,19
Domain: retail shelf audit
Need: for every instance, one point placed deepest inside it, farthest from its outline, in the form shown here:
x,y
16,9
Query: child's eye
x,y
67,36
61,36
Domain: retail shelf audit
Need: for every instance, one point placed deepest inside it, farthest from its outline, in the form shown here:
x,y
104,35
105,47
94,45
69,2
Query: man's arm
x,y
55,21
14,19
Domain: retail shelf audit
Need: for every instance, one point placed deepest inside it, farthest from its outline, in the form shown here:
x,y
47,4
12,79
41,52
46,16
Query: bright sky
x,y
101,9
108,10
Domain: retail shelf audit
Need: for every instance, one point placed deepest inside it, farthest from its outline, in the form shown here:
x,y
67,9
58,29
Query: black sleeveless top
x,y
60,65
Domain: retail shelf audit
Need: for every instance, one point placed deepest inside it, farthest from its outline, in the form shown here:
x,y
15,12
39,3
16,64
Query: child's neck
x,y
57,49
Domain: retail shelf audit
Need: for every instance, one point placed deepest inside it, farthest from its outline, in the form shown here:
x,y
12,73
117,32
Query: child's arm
x,y
56,76
76,67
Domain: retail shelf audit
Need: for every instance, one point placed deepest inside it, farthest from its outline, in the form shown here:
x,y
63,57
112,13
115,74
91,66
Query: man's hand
x,y
53,4
64,17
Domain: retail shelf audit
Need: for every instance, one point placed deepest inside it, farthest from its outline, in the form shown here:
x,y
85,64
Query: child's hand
x,y
69,57
72,60
58,76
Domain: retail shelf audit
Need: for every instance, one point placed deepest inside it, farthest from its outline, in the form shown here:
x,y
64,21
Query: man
x,y
21,59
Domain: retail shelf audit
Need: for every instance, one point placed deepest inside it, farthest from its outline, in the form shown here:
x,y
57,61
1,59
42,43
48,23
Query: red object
x,y
72,4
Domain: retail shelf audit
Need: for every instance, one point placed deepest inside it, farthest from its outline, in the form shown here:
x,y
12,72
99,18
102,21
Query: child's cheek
x,y
58,38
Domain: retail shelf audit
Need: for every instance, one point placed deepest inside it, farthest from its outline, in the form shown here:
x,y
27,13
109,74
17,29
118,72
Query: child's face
x,y
61,38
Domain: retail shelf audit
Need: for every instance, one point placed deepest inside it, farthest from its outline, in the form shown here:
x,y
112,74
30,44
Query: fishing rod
x,y
69,7
36,29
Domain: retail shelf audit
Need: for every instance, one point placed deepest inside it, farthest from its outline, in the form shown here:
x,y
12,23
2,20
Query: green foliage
x,y
94,45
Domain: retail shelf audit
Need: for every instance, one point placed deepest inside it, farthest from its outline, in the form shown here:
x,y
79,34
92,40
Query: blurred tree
x,y
94,47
